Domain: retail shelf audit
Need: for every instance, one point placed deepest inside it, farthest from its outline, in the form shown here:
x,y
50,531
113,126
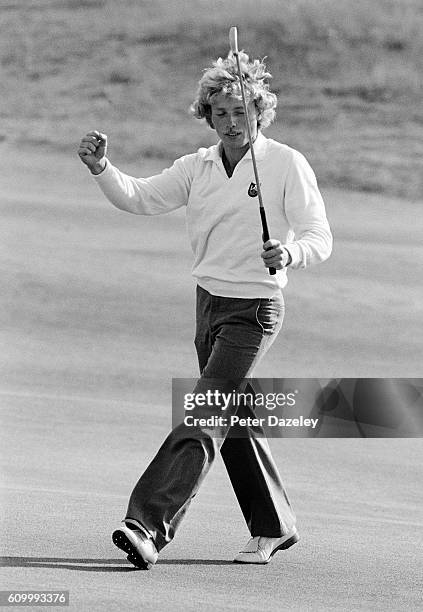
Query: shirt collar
x,y
214,153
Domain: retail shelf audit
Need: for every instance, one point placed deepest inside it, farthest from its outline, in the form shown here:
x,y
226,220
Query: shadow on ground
x,y
96,565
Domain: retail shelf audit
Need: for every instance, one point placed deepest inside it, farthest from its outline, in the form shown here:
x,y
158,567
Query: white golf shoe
x,y
139,547
261,549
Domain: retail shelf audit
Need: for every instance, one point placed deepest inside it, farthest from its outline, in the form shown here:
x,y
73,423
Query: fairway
x,y
99,321
98,305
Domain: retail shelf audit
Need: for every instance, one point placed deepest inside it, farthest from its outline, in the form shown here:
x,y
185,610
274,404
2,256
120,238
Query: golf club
x,y
233,41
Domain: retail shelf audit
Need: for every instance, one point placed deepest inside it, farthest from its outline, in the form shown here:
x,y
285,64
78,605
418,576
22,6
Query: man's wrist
x,y
289,258
99,167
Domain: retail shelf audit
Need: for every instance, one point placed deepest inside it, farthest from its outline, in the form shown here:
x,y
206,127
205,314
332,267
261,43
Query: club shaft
x,y
250,137
265,228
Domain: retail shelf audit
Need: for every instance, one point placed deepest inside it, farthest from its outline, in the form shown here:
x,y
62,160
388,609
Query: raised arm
x,y
154,195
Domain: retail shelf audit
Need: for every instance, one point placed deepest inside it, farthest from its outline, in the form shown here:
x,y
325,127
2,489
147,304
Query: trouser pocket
x,y
270,313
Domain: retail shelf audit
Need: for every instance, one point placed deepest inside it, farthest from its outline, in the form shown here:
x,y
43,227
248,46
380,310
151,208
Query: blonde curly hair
x,y
222,77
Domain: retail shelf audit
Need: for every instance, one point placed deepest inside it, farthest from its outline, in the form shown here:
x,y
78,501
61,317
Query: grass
x,y
348,76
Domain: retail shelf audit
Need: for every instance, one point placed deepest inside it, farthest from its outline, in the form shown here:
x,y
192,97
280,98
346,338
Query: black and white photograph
x,y
212,341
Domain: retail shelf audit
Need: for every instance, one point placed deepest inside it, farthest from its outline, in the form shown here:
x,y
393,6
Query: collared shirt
x,y
223,217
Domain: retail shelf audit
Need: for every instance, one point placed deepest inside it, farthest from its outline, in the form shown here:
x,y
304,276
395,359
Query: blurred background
x,y
348,76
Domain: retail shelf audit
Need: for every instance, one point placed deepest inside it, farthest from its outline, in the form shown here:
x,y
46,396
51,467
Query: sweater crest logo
x,y
252,190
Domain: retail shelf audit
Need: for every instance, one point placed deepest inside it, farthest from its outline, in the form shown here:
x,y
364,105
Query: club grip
x,y
265,234
272,271
233,40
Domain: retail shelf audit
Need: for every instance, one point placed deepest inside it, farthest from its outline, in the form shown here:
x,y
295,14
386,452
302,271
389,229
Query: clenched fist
x,y
92,151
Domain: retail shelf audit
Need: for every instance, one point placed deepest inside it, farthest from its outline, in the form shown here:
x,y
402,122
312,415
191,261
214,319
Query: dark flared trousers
x,y
232,334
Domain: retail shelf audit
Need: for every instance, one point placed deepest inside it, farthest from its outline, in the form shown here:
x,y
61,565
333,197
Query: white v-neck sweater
x,y
223,220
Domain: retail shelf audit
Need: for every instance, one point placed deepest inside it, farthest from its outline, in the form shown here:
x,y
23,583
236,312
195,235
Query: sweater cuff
x,y
103,172
289,257
294,252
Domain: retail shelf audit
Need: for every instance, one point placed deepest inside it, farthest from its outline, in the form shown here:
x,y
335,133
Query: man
x,y
240,307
